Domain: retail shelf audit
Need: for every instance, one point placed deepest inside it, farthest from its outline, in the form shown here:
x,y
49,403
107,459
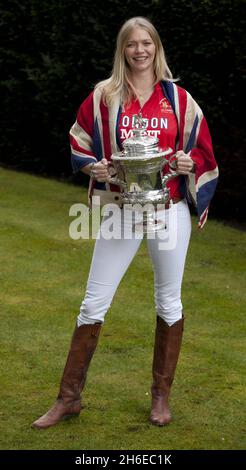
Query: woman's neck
x,y
143,81
143,86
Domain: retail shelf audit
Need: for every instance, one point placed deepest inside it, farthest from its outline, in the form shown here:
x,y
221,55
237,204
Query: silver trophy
x,y
138,171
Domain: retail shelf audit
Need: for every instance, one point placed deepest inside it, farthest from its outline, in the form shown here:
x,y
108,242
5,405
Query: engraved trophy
x,y
138,173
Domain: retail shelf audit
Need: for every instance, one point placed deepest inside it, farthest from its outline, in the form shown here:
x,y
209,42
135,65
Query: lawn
x,y
43,277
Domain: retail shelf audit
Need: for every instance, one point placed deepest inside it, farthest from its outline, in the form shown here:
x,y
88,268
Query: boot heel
x,y
166,353
68,403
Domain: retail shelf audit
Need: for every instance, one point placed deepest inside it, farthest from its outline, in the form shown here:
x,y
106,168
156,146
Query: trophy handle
x,y
168,177
117,181
172,165
173,162
112,179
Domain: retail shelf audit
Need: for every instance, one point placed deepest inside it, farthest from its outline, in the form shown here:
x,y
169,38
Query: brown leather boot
x,y
166,352
68,402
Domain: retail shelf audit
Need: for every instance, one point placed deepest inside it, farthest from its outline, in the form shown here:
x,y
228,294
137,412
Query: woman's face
x,y
140,51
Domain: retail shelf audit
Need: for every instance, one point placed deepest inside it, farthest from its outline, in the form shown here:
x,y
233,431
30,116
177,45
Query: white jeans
x,y
111,258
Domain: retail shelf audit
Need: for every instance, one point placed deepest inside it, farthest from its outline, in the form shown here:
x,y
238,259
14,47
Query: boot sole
x,y
63,418
157,423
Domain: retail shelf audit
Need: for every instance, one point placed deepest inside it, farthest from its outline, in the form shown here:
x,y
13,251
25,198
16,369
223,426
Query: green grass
x,y
43,276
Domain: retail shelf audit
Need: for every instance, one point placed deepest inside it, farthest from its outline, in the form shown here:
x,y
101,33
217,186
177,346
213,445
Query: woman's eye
x,y
147,43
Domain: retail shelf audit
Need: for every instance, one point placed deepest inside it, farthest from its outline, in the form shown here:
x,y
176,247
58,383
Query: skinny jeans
x,y
167,249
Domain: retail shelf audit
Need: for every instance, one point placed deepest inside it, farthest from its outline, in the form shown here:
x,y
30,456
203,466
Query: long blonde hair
x,y
119,81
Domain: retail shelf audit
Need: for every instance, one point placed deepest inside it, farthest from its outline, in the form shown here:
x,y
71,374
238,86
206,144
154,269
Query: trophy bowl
x,y
138,173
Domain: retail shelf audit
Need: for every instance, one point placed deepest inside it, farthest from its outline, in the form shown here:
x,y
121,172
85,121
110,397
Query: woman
x,y
140,82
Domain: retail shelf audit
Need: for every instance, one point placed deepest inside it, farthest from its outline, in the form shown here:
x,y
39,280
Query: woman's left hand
x,y
185,164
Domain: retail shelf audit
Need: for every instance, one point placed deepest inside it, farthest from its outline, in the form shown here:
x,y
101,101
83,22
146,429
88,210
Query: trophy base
x,y
146,203
148,228
149,224
154,197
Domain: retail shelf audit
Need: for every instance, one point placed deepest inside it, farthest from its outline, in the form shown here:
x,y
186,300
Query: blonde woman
x,y
141,82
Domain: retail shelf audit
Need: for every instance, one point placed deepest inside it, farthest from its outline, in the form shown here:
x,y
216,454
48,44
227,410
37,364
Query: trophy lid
x,y
141,143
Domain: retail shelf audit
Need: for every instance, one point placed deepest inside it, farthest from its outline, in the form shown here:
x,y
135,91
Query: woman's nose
x,y
139,48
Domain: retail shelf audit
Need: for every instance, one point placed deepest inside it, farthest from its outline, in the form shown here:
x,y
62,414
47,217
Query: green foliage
x,y
42,285
53,53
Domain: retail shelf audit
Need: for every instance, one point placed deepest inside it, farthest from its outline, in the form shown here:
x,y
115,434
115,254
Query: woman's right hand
x,y
99,171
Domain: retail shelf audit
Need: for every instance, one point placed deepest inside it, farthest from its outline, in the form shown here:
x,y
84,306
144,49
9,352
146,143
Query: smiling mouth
x,y
140,59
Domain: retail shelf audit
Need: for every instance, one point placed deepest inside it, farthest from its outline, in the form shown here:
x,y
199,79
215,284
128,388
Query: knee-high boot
x,y
68,402
166,352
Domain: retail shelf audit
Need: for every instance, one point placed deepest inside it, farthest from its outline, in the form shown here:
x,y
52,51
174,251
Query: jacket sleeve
x,y
81,136
201,185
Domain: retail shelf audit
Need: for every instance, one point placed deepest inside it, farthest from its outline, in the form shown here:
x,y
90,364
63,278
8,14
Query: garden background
x,y
52,54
